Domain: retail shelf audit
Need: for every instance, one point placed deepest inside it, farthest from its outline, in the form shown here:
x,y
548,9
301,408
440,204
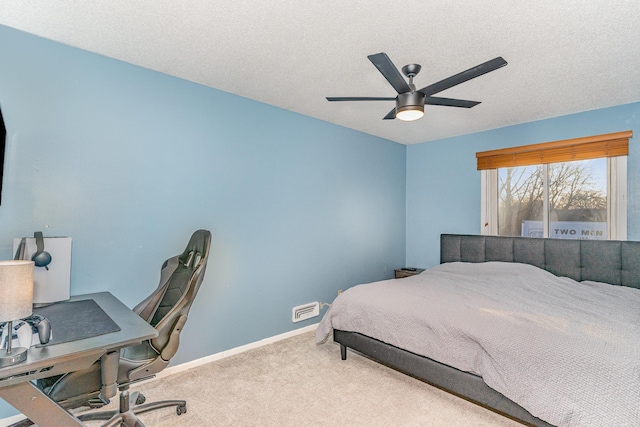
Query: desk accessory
x,y
52,258
27,332
40,325
16,290
41,258
76,320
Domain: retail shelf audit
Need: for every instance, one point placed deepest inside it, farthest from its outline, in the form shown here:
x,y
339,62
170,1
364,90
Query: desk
x,y
15,381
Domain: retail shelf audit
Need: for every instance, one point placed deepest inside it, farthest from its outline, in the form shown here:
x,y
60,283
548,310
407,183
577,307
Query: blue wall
x,y
443,185
129,162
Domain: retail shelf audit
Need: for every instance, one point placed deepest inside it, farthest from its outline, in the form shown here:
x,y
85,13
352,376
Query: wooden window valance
x,y
590,147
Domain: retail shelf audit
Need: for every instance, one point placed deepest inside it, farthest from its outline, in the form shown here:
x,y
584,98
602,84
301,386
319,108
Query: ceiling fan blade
x,y
390,115
464,76
358,98
450,102
390,72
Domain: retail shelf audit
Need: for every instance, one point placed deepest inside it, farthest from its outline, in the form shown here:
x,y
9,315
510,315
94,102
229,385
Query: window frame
x,y
616,200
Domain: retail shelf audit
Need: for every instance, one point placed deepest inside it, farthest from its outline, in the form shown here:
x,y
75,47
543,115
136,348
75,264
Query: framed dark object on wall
x,y
3,135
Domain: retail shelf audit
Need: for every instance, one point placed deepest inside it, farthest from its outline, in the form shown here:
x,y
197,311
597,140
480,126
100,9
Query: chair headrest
x,y
197,249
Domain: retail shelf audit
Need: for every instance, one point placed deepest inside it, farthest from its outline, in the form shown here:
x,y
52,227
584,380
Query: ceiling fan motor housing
x,y
409,99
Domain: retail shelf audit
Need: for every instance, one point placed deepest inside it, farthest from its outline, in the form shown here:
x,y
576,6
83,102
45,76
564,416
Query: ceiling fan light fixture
x,y
409,113
410,106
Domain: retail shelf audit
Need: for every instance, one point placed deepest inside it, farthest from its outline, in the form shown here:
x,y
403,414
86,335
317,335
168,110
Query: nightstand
x,y
407,272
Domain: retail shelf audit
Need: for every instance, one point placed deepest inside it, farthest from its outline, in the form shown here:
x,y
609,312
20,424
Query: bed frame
x,y
615,262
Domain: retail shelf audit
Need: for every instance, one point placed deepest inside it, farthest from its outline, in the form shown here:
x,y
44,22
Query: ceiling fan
x,y
410,102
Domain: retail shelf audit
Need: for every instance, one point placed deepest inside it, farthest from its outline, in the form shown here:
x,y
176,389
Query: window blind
x,y
590,147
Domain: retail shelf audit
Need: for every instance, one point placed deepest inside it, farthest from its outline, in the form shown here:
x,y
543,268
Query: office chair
x,y
166,309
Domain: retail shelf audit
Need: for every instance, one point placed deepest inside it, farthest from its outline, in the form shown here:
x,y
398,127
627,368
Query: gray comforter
x,y
567,351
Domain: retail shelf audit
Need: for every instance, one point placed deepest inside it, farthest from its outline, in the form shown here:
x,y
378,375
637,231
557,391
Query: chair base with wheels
x,y
132,405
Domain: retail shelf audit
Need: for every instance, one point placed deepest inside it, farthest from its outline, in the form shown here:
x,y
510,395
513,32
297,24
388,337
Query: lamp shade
x,y
16,289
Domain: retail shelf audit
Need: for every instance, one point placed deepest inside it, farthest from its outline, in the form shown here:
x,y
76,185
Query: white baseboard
x,y
10,420
4,422
223,354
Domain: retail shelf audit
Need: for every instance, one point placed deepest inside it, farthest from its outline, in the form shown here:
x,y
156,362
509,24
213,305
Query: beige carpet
x,y
294,382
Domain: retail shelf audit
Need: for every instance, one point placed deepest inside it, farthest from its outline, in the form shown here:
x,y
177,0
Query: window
x,y
573,189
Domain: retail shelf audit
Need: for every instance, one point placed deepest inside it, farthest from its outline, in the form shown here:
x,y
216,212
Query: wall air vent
x,y
306,311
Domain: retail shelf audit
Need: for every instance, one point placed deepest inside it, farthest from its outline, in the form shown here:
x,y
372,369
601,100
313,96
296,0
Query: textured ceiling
x,y
564,56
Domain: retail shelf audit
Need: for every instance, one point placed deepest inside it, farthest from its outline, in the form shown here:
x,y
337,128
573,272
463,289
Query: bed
x,y
562,382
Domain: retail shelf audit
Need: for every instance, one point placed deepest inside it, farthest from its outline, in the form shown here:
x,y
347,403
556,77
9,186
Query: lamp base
x,y
17,355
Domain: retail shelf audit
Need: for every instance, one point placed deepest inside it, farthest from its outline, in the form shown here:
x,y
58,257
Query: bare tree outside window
x,y
520,193
577,201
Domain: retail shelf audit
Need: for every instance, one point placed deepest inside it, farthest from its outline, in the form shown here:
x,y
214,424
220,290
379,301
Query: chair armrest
x,y
171,348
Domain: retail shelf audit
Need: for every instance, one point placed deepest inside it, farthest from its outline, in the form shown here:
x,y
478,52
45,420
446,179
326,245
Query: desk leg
x,y
36,405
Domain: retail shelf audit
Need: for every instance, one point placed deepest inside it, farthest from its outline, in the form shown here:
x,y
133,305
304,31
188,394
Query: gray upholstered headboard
x,y
615,262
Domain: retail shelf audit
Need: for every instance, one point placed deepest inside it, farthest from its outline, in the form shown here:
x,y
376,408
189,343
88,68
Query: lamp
x,y
16,302
410,106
